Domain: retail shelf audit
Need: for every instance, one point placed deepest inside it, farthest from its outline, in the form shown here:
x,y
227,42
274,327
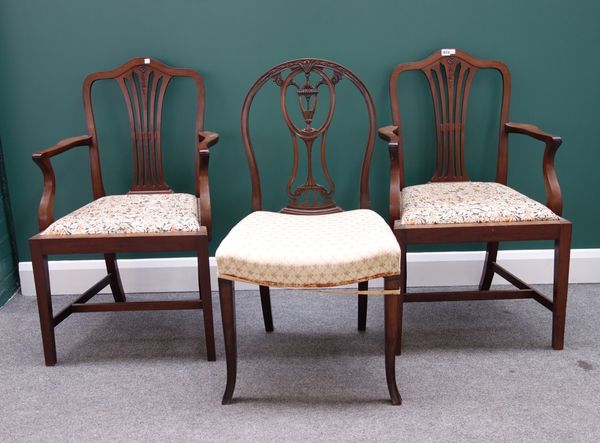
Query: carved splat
x,y
450,82
309,194
450,79
307,79
144,89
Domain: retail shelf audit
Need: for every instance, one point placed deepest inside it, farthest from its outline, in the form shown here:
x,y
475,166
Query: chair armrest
x,y
390,134
206,139
552,142
532,131
42,159
62,146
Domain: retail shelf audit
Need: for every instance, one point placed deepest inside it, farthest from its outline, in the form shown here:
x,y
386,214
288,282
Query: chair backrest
x,y
143,83
450,73
307,77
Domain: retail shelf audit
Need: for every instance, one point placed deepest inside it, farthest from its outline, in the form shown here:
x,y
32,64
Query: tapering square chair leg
x,y
42,288
487,275
227,297
362,306
115,278
562,253
403,278
392,306
265,303
206,297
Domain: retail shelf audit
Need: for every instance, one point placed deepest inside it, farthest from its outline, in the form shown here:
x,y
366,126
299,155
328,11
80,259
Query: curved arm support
x,y
42,159
553,193
390,134
206,139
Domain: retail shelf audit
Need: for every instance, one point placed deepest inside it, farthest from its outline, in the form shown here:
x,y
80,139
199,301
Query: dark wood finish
x,y
161,305
87,295
205,141
41,278
450,78
468,295
562,255
393,322
152,242
206,298
42,159
403,291
552,142
472,232
115,278
143,83
265,303
306,78
227,297
327,74
362,306
487,274
285,76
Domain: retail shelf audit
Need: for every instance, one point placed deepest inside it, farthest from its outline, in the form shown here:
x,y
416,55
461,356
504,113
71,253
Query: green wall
x,y
46,49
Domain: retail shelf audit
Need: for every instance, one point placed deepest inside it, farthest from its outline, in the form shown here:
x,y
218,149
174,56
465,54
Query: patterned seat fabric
x,y
130,214
468,202
274,249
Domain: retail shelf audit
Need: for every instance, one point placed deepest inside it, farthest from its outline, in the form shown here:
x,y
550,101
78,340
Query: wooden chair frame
x,y
450,78
309,137
143,82
322,205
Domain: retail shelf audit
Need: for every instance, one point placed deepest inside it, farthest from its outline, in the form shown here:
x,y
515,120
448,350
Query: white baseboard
x,y
424,269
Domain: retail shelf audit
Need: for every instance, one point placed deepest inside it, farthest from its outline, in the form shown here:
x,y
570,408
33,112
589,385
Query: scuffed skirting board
x,y
424,269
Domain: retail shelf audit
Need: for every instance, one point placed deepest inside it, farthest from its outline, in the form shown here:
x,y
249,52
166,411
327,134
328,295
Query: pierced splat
x,y
143,83
450,82
309,194
307,78
144,89
450,79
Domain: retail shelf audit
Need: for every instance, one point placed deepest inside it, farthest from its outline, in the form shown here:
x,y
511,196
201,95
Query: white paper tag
x,y
146,61
447,52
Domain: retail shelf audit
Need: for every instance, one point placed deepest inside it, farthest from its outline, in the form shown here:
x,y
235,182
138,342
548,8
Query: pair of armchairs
x,y
311,242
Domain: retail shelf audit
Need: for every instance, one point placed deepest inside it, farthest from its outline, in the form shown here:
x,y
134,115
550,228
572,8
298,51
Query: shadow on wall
x,y
9,281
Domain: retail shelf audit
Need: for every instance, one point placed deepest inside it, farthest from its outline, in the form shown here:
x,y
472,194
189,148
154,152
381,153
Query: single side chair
x,y
311,242
452,209
149,218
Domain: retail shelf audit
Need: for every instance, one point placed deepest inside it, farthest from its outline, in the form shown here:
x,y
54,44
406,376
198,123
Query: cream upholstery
x,y
129,214
468,202
275,249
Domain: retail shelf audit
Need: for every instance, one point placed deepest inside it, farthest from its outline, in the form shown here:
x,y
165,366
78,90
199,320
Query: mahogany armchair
x,y
452,209
311,242
149,218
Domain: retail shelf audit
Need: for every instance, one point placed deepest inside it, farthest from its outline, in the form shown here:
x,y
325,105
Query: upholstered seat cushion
x,y
468,202
275,249
130,214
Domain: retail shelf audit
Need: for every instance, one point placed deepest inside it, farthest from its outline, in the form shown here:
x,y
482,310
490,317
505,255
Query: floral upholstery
x,y
468,202
130,214
274,249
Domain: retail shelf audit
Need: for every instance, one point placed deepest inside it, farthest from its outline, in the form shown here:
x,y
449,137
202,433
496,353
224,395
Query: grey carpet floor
x,y
470,371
